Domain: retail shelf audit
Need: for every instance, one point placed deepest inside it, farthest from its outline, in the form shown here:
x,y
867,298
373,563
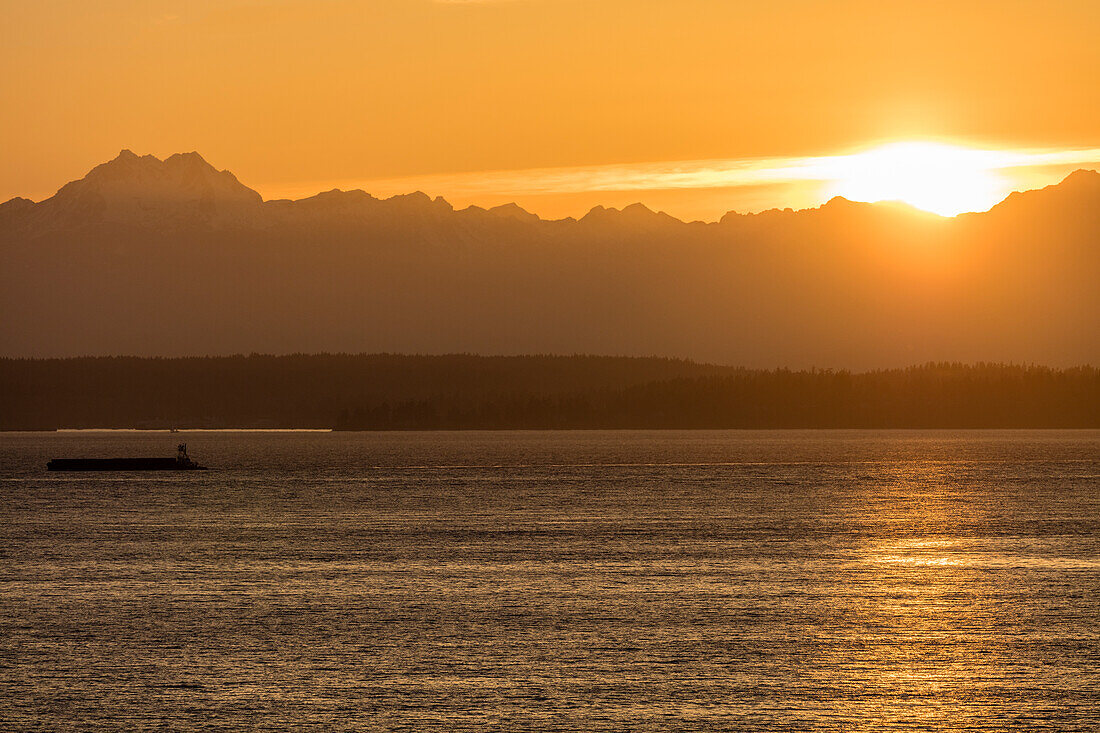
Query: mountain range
x,y
172,257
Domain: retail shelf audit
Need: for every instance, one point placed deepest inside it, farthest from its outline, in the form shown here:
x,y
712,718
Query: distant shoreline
x,y
627,429
386,392
190,430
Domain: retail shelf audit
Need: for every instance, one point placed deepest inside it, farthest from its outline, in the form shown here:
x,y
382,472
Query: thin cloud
x,y
689,174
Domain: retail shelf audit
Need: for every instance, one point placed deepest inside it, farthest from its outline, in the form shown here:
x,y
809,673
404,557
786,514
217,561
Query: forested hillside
x,y
394,392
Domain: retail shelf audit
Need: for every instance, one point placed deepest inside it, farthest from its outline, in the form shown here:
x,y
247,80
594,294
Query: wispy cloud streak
x,y
984,177
701,174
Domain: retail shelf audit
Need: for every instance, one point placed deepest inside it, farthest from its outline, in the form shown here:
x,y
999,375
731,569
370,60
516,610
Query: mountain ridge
x,y
137,188
191,261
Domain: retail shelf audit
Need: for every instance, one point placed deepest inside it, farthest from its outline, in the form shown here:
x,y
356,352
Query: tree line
x,y
456,392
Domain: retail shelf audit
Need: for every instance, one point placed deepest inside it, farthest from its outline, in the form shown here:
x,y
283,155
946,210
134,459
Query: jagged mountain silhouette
x,y
174,257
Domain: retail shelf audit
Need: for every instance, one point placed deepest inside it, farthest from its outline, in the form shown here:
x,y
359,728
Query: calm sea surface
x,y
750,581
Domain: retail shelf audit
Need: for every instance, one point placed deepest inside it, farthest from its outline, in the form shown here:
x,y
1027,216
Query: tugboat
x,y
182,462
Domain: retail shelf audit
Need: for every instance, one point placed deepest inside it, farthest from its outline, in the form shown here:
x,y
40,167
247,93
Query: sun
x,y
944,179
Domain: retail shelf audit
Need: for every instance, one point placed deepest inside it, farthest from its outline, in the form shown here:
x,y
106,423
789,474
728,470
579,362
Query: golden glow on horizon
x,y
943,179
946,179
687,100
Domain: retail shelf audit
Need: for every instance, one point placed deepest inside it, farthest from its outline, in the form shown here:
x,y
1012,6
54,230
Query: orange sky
x,y
296,96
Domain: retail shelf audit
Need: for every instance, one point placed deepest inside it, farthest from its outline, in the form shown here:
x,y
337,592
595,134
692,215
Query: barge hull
x,y
121,464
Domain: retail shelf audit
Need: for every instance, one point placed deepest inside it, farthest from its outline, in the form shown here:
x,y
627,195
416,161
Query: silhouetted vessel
x,y
182,462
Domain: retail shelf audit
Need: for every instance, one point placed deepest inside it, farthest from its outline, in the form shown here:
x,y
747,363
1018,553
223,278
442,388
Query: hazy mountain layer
x,y
173,257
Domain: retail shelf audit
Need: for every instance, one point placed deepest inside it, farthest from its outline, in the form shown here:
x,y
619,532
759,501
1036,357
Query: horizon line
x,y
927,363
720,174
680,175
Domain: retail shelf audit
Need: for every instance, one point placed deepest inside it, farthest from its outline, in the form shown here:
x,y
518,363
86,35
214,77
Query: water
x,y
555,581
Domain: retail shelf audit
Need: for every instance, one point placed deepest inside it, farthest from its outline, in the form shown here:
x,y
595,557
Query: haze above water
x,y
555,581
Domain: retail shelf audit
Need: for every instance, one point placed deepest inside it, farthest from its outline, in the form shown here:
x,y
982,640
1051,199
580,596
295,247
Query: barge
x,y
182,462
